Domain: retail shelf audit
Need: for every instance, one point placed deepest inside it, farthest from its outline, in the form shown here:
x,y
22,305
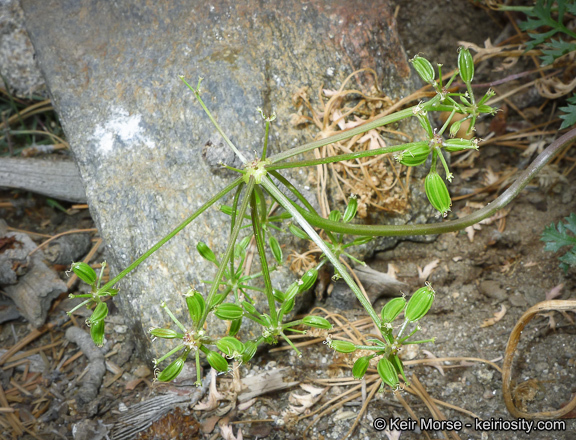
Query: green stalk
x,y
229,252
163,241
340,157
233,222
291,344
196,92
170,353
453,225
294,190
300,197
292,209
264,150
256,226
384,120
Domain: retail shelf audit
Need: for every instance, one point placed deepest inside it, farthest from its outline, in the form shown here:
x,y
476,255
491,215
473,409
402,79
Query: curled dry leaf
x,y
228,434
555,292
423,274
392,435
436,365
551,320
392,270
214,396
497,317
305,400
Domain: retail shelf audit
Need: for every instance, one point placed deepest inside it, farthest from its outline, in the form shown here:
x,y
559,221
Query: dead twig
x,y
559,305
97,367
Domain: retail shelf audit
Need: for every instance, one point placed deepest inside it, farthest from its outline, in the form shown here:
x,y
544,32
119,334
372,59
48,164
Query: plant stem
x,y
226,139
264,150
384,120
300,197
292,209
233,221
453,225
340,157
181,226
294,190
257,228
229,252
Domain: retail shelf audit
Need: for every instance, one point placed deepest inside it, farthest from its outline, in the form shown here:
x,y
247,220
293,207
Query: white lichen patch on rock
x,y
121,129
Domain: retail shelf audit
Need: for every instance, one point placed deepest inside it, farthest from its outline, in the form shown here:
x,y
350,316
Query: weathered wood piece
x,y
59,179
28,281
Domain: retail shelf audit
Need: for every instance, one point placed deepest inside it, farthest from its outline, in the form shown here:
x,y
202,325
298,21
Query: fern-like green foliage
x,y
542,16
560,235
569,115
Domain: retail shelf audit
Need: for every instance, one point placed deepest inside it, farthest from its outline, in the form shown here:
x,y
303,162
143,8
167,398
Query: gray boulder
x,y
138,135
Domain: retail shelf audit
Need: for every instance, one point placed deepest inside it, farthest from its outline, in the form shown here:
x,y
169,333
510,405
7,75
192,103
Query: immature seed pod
x,y
244,242
217,299
351,209
205,252
278,295
196,304
392,309
317,322
460,144
231,347
343,346
250,308
292,291
335,215
217,361
437,192
465,65
414,155
228,311
398,365
307,280
165,333
287,306
226,209
266,319
99,312
84,272
235,327
387,372
362,240
97,333
483,108
360,367
109,292
275,248
424,69
455,127
419,303
295,230
250,348
173,370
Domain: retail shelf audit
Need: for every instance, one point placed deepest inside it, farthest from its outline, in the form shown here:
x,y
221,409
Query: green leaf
x,y
570,113
541,16
569,258
555,49
275,248
558,236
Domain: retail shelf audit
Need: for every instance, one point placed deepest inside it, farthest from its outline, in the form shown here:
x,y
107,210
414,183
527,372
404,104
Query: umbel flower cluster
x,y
259,211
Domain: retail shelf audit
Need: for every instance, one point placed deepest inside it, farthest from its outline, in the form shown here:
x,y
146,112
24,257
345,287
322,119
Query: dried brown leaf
x,y
554,292
423,274
497,317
